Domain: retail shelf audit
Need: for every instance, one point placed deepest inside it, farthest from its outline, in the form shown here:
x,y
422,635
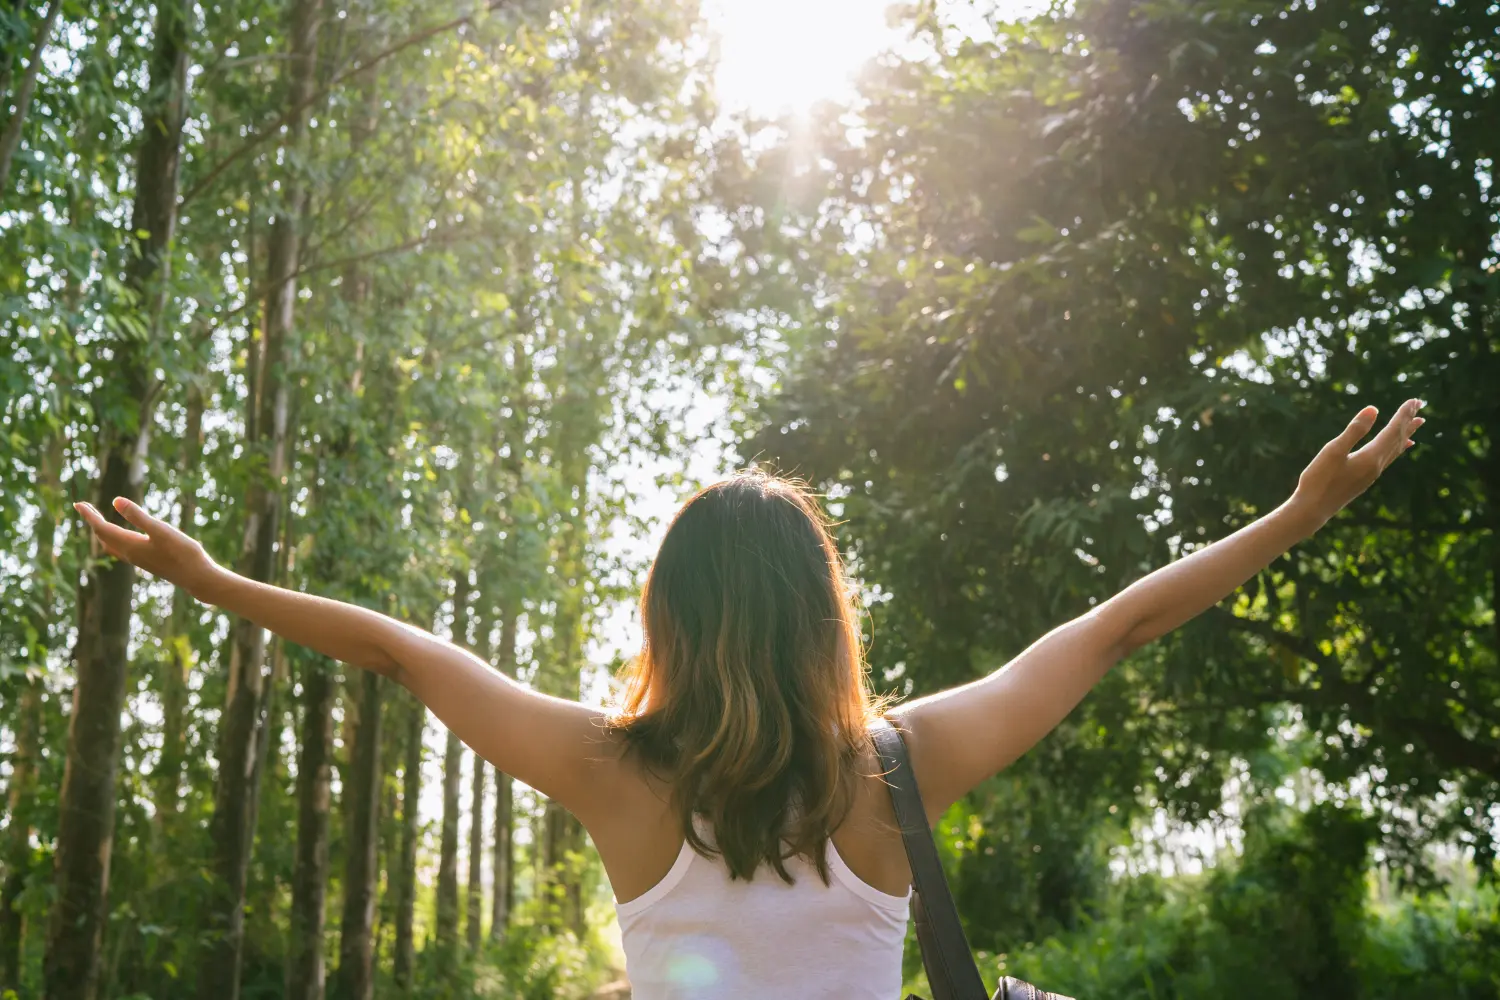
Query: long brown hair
x,y
750,695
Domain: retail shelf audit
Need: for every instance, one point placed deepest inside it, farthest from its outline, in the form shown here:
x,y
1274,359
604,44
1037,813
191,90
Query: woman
x,y
735,799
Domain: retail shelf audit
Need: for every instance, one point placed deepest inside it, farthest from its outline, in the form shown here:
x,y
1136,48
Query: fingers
x,y
132,512
116,540
1412,429
1357,429
1391,441
92,516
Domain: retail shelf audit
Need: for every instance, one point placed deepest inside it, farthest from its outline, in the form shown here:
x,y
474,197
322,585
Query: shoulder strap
x,y
951,971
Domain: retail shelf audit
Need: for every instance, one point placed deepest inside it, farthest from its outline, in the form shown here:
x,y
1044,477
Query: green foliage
x,y
1050,306
1081,297
494,281
1444,941
1294,917
1078,294
536,963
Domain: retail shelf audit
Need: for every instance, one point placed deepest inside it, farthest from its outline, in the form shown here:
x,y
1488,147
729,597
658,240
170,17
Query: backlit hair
x,y
750,695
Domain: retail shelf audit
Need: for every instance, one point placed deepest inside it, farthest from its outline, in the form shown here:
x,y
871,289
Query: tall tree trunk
x,y
504,877
474,892
355,978
85,836
406,869
10,46
577,423
447,887
563,840
20,799
241,736
310,877
21,795
10,140
167,778
387,849
475,902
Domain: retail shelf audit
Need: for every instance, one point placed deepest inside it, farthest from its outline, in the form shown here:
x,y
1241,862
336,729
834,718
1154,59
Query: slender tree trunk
x,y
10,139
447,887
310,877
241,736
12,47
406,869
20,799
167,778
503,903
475,908
564,834
387,849
563,838
474,892
355,978
268,735
85,836
539,853
21,795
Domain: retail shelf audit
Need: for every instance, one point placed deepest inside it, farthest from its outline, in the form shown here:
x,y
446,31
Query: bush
x,y
1293,918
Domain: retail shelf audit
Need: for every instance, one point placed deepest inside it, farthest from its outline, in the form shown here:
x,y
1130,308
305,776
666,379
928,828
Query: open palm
x,y
1339,473
158,548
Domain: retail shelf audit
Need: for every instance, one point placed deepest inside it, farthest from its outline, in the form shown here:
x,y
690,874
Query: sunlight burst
x,y
785,55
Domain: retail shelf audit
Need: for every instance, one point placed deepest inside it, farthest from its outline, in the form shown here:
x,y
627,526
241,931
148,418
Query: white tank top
x,y
698,934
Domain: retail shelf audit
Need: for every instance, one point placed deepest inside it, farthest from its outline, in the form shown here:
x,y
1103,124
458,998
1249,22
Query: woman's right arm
x,y
550,744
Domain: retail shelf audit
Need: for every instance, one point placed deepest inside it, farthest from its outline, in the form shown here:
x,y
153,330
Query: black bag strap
x,y
951,971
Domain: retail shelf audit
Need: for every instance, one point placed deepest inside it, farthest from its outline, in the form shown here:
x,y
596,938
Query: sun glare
x,y
780,56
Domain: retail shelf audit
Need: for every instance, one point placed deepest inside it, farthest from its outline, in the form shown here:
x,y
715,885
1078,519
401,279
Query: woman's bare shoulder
x,y
869,840
637,831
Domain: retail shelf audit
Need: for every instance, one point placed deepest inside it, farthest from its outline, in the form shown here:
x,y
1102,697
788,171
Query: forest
x,y
441,308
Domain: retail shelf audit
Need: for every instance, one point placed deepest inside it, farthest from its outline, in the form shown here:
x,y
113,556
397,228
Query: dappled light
x,y
357,358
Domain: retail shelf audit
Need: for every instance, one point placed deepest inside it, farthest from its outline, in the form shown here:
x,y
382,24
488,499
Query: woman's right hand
x,y
1339,473
158,548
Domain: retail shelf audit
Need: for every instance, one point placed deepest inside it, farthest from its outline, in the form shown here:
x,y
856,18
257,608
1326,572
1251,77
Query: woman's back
x,y
689,930
700,933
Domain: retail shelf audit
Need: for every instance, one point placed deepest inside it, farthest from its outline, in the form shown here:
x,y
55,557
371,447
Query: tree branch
x,y
432,238
1447,744
255,141
12,137
1374,521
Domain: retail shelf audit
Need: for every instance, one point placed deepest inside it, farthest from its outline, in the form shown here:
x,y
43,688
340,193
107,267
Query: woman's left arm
x,y
962,736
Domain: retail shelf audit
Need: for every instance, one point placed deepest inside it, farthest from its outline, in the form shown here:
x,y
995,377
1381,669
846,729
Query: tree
x,y
87,808
406,868
474,894
453,759
10,139
175,667
343,302
268,432
310,879
503,865
356,945
1204,230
